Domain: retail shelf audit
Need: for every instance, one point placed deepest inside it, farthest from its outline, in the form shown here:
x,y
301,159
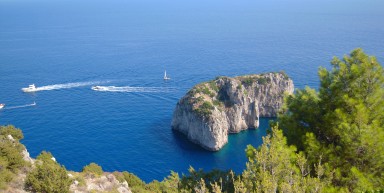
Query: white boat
x,y
97,88
2,106
165,76
31,88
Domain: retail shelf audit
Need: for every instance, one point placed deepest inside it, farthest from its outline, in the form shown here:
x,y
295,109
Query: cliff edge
x,y
211,110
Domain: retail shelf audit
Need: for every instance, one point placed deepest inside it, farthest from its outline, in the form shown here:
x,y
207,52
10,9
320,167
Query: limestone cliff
x,y
211,110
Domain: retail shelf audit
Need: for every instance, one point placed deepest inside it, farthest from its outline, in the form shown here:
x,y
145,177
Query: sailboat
x,y
165,76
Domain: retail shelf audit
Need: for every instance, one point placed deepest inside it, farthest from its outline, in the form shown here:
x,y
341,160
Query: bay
x,y
68,46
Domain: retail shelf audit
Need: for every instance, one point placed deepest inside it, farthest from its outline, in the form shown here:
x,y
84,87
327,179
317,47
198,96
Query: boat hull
x,y
28,90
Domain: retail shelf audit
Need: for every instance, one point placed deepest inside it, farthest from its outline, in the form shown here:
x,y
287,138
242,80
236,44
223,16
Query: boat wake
x,y
132,89
21,106
67,85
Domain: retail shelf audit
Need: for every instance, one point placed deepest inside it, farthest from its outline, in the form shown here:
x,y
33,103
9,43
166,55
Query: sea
x,y
65,47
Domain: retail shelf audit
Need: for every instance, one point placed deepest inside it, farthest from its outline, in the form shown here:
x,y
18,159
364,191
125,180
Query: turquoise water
x,y
65,47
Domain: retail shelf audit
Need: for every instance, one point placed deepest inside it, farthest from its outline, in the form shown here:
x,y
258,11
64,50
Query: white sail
x,y
165,76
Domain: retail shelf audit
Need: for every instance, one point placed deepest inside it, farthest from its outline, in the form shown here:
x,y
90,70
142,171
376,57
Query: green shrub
x,y
92,169
286,77
262,80
213,86
12,153
5,174
217,103
219,77
81,180
206,91
248,81
11,130
11,159
135,183
205,109
48,176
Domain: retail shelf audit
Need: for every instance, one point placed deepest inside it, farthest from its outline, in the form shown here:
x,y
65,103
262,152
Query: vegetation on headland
x,y
204,97
331,140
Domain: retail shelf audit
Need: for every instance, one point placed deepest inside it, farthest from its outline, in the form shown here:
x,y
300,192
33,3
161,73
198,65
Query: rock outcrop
x,y
107,182
211,110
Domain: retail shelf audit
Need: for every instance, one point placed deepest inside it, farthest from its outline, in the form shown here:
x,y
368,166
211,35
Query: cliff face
x,y
211,110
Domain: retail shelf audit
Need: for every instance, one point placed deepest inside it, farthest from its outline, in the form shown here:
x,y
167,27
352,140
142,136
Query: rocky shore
x,y
106,182
211,110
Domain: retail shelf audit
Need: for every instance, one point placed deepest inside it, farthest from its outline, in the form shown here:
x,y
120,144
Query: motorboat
x,y
97,88
31,88
165,76
2,106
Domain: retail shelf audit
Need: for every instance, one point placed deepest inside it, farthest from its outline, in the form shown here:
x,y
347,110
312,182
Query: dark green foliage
x,y
206,91
11,159
135,183
199,99
247,81
93,170
48,176
205,109
169,184
6,175
193,179
276,167
217,103
11,130
213,86
262,80
304,118
343,123
286,77
11,152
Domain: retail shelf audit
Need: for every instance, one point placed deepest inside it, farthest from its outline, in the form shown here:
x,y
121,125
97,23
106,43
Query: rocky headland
x,y
211,110
81,183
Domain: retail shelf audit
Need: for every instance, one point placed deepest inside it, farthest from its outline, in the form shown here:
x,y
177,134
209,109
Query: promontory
x,y
211,110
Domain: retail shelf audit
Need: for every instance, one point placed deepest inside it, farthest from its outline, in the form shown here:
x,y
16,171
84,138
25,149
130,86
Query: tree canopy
x,y
342,123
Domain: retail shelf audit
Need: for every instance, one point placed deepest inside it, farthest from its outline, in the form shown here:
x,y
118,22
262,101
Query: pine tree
x,y
343,122
276,167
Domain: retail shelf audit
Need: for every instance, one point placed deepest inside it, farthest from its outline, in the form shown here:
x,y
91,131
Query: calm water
x,y
68,46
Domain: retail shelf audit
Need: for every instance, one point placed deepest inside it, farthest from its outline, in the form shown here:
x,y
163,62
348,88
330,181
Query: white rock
x,y
26,156
10,137
125,184
263,96
53,158
123,190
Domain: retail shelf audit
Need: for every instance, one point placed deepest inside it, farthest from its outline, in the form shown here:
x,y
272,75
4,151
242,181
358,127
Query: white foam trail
x,y
67,85
21,106
133,89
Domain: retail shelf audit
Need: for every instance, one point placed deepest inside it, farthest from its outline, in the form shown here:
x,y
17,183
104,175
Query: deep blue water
x,y
131,43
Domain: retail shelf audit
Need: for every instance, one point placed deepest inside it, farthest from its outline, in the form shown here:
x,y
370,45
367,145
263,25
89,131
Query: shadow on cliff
x,y
184,143
173,138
